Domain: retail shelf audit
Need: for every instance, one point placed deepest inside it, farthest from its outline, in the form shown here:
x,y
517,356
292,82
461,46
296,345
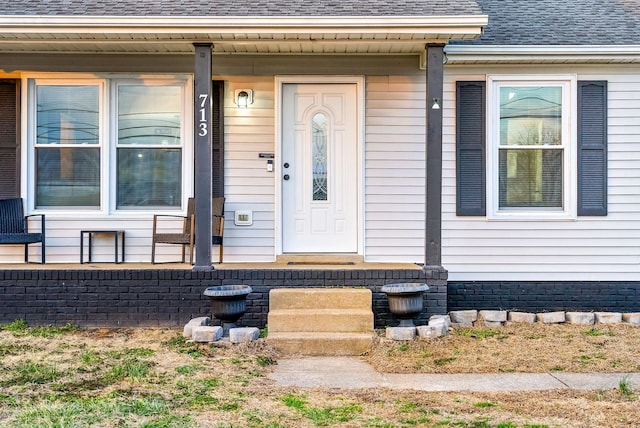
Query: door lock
x,y
286,177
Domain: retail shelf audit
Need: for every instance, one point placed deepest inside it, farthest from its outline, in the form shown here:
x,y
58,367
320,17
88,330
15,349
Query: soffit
x,y
388,35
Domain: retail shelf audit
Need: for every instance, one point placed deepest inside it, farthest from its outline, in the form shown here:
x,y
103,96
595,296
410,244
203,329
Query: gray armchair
x,y
14,227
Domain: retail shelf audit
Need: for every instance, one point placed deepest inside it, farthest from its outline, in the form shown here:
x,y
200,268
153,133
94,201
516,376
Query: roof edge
x,y
460,54
31,22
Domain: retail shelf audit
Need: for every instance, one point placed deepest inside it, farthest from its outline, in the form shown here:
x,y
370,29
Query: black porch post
x,y
433,203
202,154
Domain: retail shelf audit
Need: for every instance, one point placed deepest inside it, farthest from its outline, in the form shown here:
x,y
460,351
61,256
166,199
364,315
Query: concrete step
x,y
320,320
304,343
319,298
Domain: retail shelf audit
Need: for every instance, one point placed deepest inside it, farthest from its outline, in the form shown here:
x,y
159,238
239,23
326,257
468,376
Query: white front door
x,y
319,170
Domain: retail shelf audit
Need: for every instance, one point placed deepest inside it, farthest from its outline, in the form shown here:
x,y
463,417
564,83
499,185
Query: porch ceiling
x,y
274,35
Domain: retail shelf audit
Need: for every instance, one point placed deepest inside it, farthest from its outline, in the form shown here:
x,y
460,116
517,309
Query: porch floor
x,y
217,266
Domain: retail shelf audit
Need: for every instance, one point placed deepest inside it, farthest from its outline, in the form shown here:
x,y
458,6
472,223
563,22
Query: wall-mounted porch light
x,y
436,104
243,97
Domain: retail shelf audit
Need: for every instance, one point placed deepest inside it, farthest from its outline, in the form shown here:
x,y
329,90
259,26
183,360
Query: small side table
x,y
116,235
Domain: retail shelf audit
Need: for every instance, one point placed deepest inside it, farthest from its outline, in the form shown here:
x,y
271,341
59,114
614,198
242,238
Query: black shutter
x,y
9,141
592,148
217,144
470,149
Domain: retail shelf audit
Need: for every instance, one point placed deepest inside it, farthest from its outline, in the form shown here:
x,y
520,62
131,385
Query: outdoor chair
x,y
187,236
184,238
217,223
14,227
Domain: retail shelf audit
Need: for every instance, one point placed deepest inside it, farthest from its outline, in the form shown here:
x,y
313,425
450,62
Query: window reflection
x,y
149,155
530,147
67,153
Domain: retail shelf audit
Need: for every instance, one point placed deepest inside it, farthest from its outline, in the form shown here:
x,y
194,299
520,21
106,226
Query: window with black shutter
x,y
524,159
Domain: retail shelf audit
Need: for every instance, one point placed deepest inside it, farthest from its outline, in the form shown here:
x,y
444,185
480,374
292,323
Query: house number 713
x,y
202,125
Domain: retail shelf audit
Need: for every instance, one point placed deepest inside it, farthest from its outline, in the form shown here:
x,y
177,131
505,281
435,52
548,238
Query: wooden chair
x,y
14,227
217,223
187,237
184,238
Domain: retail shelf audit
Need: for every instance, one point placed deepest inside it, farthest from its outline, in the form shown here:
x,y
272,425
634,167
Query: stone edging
x,y
439,325
488,318
200,330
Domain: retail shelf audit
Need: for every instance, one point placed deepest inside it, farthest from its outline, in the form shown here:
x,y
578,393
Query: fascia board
x,y
541,53
233,24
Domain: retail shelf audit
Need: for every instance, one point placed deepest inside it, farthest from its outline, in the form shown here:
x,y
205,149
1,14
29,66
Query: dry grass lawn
x,y
153,378
531,348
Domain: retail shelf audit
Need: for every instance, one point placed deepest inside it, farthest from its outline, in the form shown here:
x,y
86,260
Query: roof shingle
x,y
559,22
256,8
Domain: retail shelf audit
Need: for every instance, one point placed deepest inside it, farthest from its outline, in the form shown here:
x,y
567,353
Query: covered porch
x,y
238,52
393,62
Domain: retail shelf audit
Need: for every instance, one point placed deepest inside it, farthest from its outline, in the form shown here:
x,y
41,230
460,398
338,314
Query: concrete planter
x,y
405,301
228,303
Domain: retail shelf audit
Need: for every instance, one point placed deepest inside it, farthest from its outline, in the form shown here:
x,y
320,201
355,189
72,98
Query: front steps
x,y
320,321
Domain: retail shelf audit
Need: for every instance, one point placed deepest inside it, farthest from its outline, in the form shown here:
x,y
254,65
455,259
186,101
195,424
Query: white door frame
x,y
359,82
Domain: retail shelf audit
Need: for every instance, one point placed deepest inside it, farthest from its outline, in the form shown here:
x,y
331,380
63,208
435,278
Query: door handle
x,y
286,177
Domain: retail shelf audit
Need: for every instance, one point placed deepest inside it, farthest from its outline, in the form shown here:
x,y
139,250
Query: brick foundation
x,y
131,298
532,296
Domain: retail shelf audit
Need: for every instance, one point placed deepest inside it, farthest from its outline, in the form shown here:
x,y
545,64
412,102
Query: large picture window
x,y
531,140
108,144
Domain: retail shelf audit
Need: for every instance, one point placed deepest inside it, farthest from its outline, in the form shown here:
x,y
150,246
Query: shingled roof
x,y
560,22
256,8
236,26
511,22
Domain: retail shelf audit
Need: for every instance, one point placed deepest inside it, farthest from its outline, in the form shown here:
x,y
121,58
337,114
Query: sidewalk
x,y
354,373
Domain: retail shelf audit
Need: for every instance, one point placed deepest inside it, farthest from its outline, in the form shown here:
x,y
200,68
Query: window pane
x,y
530,116
530,178
67,115
67,176
319,157
149,177
149,115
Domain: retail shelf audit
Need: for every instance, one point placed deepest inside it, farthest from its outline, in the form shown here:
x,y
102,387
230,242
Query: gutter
x,y
468,24
519,54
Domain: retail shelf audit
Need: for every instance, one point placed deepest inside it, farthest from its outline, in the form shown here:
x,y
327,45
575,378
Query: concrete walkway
x,y
354,373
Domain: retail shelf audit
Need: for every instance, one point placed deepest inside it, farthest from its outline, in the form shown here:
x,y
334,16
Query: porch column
x,y
433,203
202,153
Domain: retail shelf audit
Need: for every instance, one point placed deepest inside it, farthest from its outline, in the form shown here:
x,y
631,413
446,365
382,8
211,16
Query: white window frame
x,y
107,137
186,140
568,83
32,84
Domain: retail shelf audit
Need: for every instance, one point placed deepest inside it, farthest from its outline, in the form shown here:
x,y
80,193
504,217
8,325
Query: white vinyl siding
x,y
394,168
248,185
587,248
